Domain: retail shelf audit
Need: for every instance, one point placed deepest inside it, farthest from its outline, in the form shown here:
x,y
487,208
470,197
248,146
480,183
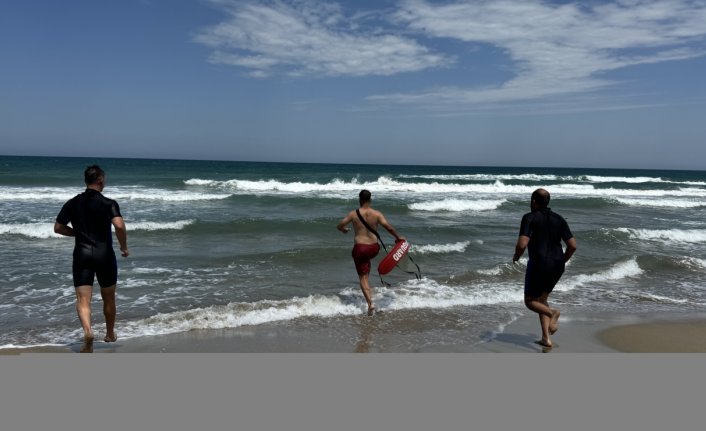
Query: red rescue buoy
x,y
393,257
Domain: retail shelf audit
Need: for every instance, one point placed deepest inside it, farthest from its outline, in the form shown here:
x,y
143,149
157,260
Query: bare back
x,y
362,234
374,218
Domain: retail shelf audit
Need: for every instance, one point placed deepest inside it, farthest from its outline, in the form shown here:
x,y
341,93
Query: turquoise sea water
x,y
231,244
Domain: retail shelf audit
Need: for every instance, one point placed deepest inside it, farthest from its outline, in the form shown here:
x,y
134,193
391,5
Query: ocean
x,y
220,245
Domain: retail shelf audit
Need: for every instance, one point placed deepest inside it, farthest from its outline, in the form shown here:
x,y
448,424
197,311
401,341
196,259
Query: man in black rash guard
x,y
91,216
542,230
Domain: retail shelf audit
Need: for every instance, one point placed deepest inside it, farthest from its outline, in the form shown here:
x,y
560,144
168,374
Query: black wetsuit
x,y
90,215
546,264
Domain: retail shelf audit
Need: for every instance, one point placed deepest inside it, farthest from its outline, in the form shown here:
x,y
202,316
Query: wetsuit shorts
x,y
541,280
94,261
362,254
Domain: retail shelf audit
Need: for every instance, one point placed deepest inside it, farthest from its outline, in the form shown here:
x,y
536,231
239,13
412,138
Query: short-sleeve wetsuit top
x,y
546,229
90,214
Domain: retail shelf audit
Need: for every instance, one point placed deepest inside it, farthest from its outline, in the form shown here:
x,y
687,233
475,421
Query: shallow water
x,y
230,244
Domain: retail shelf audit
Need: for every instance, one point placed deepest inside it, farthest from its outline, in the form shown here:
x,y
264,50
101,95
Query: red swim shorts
x,y
362,254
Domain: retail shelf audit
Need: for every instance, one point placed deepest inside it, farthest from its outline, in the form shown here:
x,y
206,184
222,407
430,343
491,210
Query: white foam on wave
x,y
427,293
597,179
504,268
143,194
629,180
152,226
693,262
489,177
457,247
423,293
458,205
124,193
662,203
30,230
46,230
619,271
691,236
238,314
664,299
385,185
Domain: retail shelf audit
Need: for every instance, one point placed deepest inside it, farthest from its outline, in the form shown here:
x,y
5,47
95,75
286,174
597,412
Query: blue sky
x,y
504,83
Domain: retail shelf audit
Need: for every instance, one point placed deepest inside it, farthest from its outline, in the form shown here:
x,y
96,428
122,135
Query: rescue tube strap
x,y
367,226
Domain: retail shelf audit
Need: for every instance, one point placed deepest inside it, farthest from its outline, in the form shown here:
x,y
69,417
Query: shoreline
x,y
578,333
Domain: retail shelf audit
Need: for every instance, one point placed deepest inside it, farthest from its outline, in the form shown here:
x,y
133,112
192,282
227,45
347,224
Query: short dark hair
x,y
93,174
541,198
364,196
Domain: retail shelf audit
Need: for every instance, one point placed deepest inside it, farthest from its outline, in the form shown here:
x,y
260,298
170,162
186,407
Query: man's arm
x,y
570,248
62,229
343,224
382,221
121,233
520,247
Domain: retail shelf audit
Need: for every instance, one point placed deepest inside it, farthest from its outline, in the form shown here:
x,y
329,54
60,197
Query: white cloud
x,y
302,38
557,49
554,49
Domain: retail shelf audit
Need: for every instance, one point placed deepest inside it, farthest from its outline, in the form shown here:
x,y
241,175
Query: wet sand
x,y
578,333
657,337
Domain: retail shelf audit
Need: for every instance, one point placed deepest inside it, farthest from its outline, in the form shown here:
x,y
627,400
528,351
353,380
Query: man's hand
x,y
125,252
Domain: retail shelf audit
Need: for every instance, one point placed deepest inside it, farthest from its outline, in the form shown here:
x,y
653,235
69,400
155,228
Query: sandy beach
x,y
578,333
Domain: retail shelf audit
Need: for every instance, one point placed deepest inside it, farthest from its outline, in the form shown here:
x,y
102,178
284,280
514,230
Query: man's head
x,y
364,197
94,176
540,199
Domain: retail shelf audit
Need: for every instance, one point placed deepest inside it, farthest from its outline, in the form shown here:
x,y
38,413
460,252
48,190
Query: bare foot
x,y
87,344
554,322
110,338
545,343
371,311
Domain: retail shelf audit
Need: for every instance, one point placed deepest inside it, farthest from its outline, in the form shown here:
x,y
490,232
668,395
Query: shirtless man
x,y
91,215
542,231
366,246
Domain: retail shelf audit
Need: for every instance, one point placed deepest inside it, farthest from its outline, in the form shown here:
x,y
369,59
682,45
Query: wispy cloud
x,y
554,49
306,38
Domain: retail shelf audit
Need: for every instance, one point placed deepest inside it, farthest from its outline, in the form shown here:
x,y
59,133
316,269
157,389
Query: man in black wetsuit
x,y
91,216
542,230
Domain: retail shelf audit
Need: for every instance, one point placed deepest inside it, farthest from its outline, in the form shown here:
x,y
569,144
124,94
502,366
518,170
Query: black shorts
x,y
540,280
95,262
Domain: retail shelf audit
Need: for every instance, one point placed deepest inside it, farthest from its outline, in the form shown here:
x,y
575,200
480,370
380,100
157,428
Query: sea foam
x,y
458,205
46,230
388,186
662,203
457,247
619,271
124,193
694,236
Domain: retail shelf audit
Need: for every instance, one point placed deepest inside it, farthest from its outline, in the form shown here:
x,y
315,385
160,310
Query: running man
x,y
366,246
542,231
91,216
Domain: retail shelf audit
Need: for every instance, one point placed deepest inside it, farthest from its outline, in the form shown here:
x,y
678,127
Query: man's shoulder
x,y
74,199
105,199
557,215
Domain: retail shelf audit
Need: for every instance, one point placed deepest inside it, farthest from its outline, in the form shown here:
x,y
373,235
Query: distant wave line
x,y
42,230
342,189
550,177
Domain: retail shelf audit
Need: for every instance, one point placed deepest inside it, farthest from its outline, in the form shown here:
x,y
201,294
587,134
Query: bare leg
x,y
547,316
365,287
83,309
108,295
554,323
